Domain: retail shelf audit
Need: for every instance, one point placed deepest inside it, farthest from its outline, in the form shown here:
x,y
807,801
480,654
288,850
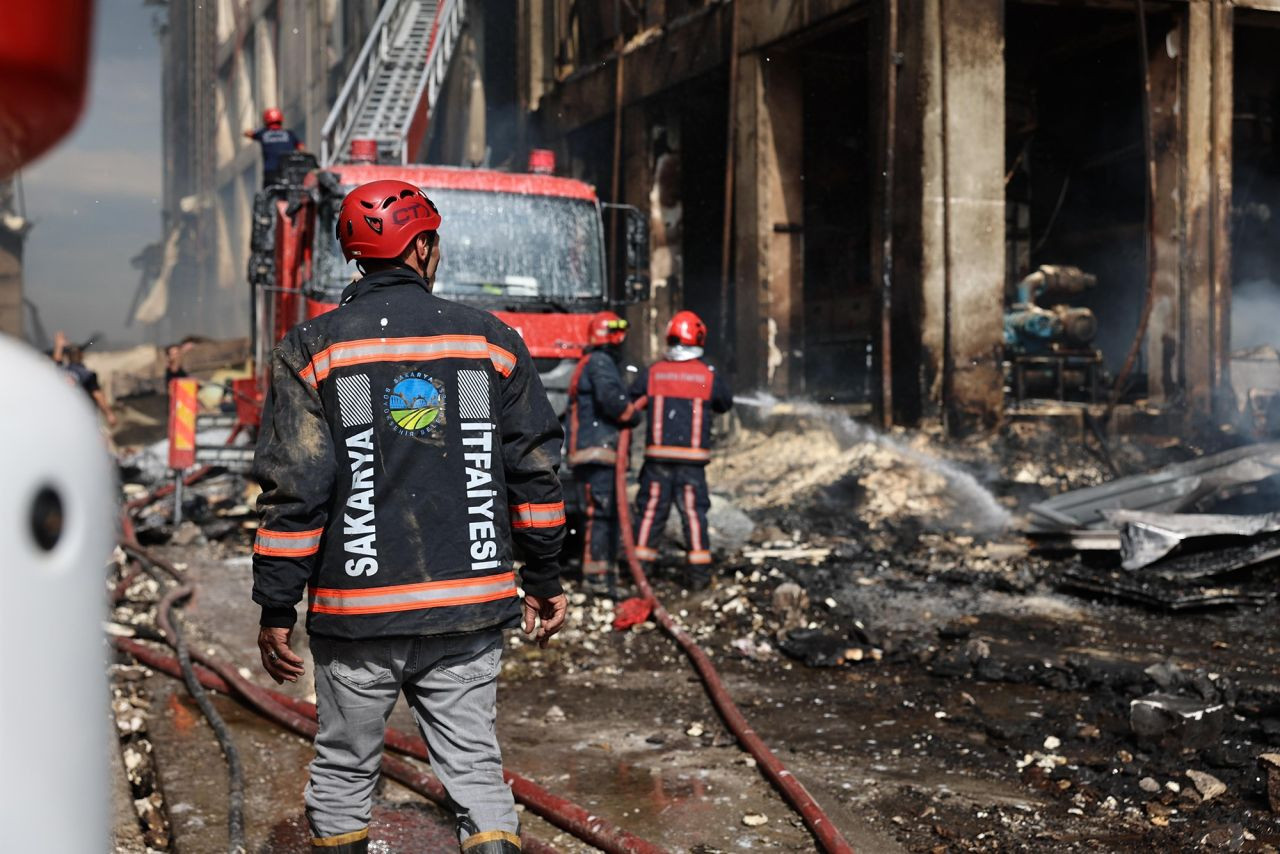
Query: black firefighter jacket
x,y
598,407
406,442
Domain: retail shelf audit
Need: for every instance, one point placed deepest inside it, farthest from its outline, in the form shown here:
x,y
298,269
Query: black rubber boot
x,y
341,845
698,579
492,842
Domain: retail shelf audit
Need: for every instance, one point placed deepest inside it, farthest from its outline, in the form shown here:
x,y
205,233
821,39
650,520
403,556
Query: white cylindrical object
x,y
54,735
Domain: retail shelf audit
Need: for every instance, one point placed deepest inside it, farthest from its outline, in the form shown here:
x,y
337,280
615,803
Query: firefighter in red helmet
x,y
276,141
681,393
598,408
406,450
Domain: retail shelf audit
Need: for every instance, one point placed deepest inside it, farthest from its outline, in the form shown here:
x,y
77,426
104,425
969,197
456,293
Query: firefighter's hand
x,y
550,611
278,660
249,134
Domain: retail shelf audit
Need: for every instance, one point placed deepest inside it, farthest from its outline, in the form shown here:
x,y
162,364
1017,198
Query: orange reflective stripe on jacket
x,y
537,515
412,597
368,350
287,543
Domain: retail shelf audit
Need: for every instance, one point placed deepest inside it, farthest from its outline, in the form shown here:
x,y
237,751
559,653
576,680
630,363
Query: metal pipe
x,y
828,837
891,66
1149,142
948,366
730,165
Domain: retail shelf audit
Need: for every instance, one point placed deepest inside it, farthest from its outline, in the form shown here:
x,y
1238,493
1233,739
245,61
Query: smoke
x,y
1255,314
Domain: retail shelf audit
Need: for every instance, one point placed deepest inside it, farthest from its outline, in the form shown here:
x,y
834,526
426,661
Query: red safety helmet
x,y
378,219
688,329
272,117
606,328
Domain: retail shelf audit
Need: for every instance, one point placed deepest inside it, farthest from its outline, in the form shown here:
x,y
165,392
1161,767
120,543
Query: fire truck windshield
x,y
500,248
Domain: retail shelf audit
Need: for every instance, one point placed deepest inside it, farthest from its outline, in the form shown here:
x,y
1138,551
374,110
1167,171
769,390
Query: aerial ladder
x,y
395,81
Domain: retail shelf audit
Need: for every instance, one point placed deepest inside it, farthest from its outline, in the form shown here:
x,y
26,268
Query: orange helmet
x,y
688,329
378,219
272,117
606,328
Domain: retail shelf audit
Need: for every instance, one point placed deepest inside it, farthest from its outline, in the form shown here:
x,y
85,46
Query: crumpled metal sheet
x,y
1165,490
1147,537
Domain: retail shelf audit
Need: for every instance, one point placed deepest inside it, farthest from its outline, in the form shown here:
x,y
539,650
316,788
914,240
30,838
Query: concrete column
x,y
963,251
1207,112
769,222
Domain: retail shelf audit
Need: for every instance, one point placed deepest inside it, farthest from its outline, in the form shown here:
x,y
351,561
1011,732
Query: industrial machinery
x,y
1049,344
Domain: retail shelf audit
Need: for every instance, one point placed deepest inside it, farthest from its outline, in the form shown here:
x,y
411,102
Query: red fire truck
x,y
530,247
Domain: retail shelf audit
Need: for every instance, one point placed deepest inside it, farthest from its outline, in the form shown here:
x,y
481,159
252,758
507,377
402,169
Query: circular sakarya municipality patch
x,y
414,404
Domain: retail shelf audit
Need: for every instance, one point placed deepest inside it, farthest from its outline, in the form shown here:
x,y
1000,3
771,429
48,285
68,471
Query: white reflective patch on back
x,y
355,400
473,395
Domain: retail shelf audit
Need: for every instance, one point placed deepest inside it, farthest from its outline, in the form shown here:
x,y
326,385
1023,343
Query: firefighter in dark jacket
x,y
276,141
406,444
598,407
681,392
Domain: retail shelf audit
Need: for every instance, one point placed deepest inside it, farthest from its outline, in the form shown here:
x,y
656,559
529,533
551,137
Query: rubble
x,y
1179,721
1206,784
1165,490
1270,765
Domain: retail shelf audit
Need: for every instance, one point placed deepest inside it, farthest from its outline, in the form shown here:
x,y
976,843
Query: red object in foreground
x,y
632,612
829,838
44,63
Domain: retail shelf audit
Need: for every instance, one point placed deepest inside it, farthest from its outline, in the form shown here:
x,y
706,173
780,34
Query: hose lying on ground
x,y
235,773
299,716
817,821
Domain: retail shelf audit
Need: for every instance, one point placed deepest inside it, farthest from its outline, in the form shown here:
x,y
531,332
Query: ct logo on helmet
x,y
414,404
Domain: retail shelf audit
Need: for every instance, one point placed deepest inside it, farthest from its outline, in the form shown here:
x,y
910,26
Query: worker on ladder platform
x,y
406,443
598,407
681,392
276,141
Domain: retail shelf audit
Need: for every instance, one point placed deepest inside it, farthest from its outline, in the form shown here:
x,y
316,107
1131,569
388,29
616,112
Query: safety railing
x,y
346,109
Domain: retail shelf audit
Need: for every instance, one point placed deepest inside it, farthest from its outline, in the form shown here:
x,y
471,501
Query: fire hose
x,y
795,794
300,717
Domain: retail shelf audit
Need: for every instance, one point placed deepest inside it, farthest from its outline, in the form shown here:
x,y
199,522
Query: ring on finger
x,y
273,655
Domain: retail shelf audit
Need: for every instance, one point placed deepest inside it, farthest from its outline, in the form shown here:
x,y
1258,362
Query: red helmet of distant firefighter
x,y
606,329
688,329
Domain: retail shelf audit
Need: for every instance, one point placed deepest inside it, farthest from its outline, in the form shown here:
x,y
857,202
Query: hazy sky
x,y
95,199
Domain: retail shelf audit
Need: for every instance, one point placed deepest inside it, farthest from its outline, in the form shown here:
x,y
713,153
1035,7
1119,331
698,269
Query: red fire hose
x,y
817,821
299,716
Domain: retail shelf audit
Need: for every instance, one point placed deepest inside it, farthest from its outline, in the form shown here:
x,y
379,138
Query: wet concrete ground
x,y
993,716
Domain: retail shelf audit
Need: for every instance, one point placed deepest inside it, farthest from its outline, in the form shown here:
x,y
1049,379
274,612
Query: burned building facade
x,y
895,169
853,193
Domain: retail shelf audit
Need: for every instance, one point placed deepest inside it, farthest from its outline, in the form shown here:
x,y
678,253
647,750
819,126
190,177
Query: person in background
x,y
681,393
276,142
598,408
71,358
173,369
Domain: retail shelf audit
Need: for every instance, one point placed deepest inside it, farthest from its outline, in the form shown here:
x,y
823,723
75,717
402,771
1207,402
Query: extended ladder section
x,y
396,80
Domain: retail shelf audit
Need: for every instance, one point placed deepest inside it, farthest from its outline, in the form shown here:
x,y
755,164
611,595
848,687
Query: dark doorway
x,y
704,114
839,300
1255,204
1076,186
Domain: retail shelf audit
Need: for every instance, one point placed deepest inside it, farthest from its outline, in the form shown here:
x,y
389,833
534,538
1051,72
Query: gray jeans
x,y
451,685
